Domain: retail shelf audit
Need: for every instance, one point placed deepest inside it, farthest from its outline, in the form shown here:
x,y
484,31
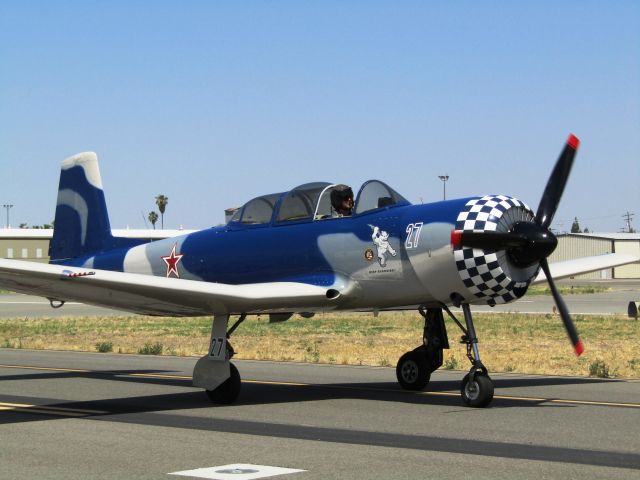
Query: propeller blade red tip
x,y
573,141
579,347
456,238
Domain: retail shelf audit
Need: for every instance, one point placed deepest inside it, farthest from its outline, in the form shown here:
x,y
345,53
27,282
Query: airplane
x,y
294,252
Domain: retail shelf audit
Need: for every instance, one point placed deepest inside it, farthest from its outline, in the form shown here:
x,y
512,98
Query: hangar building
x,y
33,243
576,245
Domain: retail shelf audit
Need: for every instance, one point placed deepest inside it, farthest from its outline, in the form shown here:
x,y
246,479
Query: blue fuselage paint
x,y
389,253
320,252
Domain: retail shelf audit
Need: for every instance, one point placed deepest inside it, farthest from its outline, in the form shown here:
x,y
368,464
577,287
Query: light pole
x,y
444,179
8,207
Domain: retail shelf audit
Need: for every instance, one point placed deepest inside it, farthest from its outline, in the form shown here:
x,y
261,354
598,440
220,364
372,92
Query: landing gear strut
x,y
414,368
477,387
214,372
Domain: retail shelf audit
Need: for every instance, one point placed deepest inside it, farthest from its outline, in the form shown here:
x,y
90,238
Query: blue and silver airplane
x,y
308,250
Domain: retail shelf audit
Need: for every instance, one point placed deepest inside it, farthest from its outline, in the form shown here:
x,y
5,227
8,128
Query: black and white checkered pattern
x,y
484,273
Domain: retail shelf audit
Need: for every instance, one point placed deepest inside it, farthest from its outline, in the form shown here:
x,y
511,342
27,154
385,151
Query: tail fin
x,y
81,225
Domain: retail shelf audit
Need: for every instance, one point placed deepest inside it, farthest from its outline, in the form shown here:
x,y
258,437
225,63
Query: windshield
x,y
256,211
300,203
376,194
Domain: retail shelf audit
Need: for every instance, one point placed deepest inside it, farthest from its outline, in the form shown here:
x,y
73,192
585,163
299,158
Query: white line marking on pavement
x,y
238,471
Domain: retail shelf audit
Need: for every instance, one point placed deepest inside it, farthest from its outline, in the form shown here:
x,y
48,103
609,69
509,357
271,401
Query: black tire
x,y
480,393
412,371
228,391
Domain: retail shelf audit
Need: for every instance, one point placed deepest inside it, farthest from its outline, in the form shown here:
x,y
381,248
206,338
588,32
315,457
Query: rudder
x,y
81,225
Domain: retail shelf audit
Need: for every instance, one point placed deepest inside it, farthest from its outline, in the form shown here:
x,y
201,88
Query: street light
x,y
444,179
8,207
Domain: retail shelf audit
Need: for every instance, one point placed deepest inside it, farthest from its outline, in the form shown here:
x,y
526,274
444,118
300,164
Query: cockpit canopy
x,y
312,202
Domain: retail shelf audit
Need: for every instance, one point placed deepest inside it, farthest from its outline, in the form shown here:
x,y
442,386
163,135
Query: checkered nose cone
x,y
491,275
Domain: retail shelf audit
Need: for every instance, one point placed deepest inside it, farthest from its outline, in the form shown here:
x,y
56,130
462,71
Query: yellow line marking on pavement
x,y
157,375
524,399
449,394
34,409
70,412
318,385
62,409
589,402
46,369
289,384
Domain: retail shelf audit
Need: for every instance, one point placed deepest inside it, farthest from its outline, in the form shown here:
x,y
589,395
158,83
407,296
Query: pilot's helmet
x,y
339,194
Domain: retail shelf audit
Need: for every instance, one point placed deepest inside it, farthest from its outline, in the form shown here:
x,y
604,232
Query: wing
x,y
151,295
578,266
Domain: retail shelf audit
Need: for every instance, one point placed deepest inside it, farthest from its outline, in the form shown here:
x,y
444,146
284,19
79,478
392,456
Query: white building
x,y
576,245
33,243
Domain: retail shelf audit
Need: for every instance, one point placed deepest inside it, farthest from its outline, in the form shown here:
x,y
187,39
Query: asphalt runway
x,y
16,305
88,415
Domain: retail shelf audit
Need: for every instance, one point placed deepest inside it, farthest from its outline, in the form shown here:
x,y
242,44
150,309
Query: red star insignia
x,y
172,261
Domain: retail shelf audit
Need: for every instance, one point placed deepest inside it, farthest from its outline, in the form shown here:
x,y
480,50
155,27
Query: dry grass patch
x,y
508,342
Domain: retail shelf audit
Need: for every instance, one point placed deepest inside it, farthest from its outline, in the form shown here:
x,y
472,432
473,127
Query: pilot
x,y
342,200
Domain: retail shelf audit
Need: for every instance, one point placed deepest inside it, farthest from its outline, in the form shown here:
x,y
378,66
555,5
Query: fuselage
x,y
391,257
386,254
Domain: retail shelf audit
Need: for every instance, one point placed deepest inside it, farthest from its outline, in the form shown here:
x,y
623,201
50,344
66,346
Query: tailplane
x,y
81,225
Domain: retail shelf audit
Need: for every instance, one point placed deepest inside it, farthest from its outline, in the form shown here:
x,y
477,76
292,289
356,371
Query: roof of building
x,y
607,236
47,233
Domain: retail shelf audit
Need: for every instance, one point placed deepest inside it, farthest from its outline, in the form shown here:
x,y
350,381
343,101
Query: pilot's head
x,y
342,199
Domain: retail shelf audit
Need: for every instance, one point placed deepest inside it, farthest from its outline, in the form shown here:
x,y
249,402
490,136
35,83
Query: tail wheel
x,y
228,391
413,371
477,393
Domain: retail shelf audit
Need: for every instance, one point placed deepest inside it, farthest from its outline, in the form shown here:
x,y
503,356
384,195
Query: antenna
x,y
627,218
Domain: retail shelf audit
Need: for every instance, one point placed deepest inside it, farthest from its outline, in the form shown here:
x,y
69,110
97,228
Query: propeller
x,y
530,242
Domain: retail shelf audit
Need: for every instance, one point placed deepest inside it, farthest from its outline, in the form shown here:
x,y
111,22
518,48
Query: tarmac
x,y
89,415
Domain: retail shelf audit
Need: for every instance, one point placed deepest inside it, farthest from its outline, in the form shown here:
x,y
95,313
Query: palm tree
x,y
162,201
153,218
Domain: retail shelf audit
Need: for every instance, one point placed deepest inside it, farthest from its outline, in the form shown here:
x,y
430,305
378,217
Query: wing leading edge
x,y
150,295
578,266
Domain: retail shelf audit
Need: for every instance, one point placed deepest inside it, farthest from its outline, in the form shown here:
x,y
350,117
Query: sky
x,y
214,103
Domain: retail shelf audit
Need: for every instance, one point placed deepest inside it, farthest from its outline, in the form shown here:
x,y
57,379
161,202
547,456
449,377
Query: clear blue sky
x,y
213,103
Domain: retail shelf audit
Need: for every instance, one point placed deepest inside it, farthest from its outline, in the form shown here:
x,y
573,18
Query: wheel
x,y
412,371
479,393
229,390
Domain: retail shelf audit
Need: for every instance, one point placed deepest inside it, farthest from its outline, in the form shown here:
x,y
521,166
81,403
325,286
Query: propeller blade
x,y
487,240
556,183
564,311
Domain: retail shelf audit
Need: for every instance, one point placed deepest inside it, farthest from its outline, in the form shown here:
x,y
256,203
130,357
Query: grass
x,y
567,290
598,368
151,349
508,342
104,347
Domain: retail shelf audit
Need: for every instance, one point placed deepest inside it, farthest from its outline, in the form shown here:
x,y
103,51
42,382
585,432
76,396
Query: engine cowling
x,y
493,276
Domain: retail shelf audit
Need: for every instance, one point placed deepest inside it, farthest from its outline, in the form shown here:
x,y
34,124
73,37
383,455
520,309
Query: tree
x,y
162,201
153,218
575,227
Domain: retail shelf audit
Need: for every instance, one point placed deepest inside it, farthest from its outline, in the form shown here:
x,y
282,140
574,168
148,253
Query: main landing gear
x,y
214,372
414,368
